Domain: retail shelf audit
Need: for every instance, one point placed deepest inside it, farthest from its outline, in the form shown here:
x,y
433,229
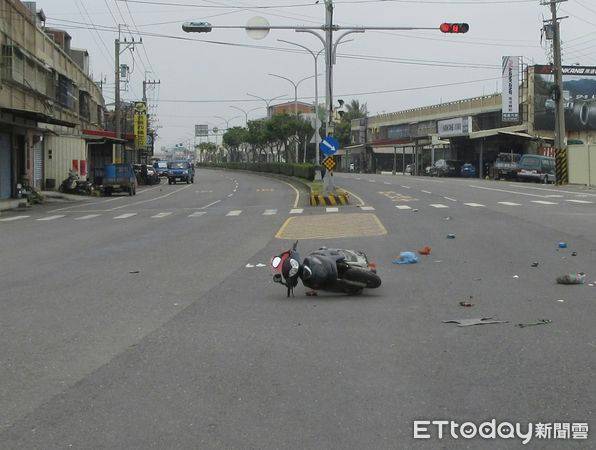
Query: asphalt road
x,y
199,349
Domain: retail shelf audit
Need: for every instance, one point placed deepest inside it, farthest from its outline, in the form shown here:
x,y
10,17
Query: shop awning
x,y
352,149
38,117
496,131
526,136
101,136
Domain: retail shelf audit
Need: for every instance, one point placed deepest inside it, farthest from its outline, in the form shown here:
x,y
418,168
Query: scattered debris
x,y
531,324
476,321
406,258
311,293
573,253
175,304
447,218
425,251
516,276
451,236
561,300
562,244
466,304
572,278
415,210
135,271
535,264
591,284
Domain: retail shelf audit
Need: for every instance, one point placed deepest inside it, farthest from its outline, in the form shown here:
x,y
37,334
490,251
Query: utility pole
x,y
148,83
119,48
145,84
560,133
329,65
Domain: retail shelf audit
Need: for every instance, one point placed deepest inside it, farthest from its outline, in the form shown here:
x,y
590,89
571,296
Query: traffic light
x,y
454,27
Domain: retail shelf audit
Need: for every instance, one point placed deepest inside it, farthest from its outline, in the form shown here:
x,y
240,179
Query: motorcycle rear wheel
x,y
371,280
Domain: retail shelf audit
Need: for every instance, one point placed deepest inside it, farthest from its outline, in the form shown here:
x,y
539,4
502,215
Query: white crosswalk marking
x,y
234,213
474,205
125,216
403,207
439,205
45,219
87,217
509,204
367,208
585,202
450,199
12,219
332,210
544,202
427,192
198,214
161,215
270,212
297,211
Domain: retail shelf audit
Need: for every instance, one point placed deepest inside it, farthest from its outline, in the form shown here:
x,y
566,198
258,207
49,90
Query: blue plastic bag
x,y
406,258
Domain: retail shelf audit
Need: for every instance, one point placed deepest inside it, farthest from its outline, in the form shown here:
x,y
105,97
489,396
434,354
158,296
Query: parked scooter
x,y
332,270
74,185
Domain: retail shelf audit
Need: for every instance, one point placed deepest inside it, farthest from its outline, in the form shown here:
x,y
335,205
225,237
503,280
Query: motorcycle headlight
x,y
295,267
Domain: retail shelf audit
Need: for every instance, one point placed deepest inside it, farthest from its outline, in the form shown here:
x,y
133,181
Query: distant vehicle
x,y
537,168
161,167
505,166
118,178
152,176
468,171
196,27
446,168
180,170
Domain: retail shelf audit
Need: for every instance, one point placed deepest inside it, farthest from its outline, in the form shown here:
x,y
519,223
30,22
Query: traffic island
x,y
318,197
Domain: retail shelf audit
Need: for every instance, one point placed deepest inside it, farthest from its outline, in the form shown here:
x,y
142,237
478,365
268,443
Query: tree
x,y
208,150
343,130
233,139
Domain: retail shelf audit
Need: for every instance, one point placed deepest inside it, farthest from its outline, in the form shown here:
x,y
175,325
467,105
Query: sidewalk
x,y
14,203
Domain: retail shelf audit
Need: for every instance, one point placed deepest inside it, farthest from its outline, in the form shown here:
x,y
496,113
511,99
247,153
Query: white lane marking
x,y
584,202
210,204
261,265
125,216
509,204
406,187
475,205
297,211
234,213
198,214
367,208
439,205
249,266
87,217
403,207
450,199
332,210
270,212
351,194
44,219
552,190
154,198
161,215
505,190
543,202
12,219
296,191
427,192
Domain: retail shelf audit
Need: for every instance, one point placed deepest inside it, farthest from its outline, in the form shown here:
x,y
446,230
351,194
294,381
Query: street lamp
x,y
295,84
227,121
267,101
245,111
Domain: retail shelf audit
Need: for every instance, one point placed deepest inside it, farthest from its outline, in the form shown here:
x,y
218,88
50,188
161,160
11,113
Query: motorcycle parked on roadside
x,y
326,269
74,185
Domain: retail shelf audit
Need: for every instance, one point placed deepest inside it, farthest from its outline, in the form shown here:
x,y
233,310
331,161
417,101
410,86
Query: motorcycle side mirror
x,y
275,262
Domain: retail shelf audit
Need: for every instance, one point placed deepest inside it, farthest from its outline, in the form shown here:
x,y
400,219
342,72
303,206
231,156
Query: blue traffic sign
x,y
329,146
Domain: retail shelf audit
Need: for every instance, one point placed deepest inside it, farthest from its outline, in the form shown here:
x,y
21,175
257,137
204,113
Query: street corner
x,y
331,226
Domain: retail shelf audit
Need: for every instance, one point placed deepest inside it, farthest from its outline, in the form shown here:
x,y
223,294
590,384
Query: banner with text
x,y
510,95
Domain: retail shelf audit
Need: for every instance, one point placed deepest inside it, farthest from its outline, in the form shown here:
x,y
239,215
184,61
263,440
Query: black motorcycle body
x,y
327,269
74,185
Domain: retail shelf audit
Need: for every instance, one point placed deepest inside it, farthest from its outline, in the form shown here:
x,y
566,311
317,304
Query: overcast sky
x,y
199,71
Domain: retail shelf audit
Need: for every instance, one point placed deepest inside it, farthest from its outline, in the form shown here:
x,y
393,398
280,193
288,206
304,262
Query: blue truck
x,y
117,178
180,170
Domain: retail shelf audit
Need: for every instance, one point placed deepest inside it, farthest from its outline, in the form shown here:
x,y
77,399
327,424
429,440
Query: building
x,y
473,131
47,100
290,108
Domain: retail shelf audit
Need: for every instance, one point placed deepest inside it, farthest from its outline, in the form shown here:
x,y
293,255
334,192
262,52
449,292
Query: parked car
x,y
182,171
505,166
537,168
161,167
468,171
152,176
446,168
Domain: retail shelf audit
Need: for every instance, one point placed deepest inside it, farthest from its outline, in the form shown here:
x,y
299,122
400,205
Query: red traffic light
x,y
454,27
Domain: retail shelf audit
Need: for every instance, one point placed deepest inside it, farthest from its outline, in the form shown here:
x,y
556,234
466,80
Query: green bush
x,y
306,171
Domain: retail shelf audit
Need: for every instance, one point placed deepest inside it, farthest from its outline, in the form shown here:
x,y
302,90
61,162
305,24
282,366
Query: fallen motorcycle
x,y
326,269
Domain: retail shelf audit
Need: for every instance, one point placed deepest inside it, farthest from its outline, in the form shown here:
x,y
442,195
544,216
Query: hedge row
x,y
306,171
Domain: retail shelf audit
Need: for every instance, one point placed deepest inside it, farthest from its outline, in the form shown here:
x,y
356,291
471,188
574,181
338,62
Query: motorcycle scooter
x,y
326,269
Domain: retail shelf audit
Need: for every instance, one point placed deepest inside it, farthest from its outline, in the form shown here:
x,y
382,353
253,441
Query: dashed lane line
x,y
161,215
475,205
125,216
427,192
367,208
403,207
583,202
439,205
234,213
154,198
509,204
198,214
88,216
12,219
450,199
297,211
543,202
48,218
270,212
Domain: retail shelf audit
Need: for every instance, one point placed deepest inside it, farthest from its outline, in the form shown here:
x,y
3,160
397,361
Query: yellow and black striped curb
x,y
329,199
562,166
